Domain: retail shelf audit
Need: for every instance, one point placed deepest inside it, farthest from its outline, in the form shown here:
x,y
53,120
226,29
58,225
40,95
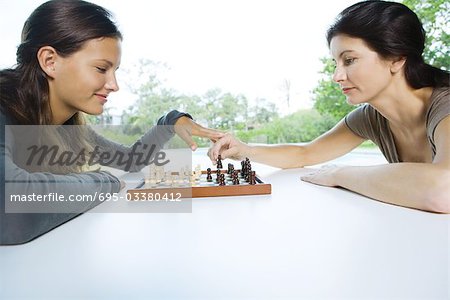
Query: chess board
x,y
200,187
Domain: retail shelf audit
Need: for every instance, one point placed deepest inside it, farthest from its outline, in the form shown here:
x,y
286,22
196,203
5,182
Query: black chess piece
x,y
218,175
252,178
248,170
230,168
221,179
219,162
235,177
208,175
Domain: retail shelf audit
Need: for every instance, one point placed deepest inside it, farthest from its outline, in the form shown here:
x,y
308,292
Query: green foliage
x,y
153,98
435,18
116,134
262,113
222,110
301,126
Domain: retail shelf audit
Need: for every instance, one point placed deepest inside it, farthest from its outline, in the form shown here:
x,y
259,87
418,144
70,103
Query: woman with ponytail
x,y
404,107
66,64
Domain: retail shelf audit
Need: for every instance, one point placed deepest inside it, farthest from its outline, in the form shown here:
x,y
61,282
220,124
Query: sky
x,y
244,47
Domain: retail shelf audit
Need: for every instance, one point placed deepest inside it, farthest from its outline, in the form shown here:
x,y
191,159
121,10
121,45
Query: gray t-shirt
x,y
16,228
368,123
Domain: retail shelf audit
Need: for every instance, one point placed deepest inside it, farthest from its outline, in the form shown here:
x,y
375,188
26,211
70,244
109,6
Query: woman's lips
x,y
347,90
102,98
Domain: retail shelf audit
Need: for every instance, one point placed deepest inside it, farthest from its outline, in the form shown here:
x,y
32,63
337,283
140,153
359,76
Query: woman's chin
x,y
94,111
353,101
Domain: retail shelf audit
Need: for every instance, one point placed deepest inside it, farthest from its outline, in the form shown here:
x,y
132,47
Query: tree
x,y
153,98
262,113
223,110
286,89
434,15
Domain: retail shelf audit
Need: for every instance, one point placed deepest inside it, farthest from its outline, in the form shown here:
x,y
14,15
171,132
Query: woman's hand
x,y
185,128
325,176
228,147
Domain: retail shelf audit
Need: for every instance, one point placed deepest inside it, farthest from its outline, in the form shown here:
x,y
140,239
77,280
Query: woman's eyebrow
x,y
106,61
345,51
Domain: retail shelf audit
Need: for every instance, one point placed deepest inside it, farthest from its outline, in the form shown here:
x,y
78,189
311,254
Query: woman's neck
x,y
404,107
60,113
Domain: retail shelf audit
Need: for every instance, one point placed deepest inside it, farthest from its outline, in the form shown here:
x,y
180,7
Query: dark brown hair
x,y
65,25
392,30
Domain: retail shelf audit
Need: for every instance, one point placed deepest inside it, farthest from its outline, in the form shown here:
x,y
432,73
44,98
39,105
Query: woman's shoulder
x,y
439,102
439,107
441,94
365,113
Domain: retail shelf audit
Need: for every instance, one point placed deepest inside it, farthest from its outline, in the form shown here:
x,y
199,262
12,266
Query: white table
x,y
302,242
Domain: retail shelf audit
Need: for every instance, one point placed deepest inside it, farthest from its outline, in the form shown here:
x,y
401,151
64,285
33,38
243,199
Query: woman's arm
x,y
32,203
334,143
424,186
135,157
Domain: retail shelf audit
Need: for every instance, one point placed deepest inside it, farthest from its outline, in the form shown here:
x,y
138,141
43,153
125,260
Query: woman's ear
x,y
397,64
47,57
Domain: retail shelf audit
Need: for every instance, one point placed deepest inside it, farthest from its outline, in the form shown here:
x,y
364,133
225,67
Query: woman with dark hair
x,y
377,47
66,64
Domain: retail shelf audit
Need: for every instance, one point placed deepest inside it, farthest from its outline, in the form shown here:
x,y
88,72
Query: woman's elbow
x,y
437,197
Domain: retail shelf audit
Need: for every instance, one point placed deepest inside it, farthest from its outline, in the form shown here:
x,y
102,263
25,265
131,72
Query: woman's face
x,y
83,80
360,72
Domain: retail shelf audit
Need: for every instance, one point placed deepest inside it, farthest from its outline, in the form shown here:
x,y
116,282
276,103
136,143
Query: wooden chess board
x,y
200,187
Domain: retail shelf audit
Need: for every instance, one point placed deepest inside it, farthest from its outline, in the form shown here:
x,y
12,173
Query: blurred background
x,y
259,69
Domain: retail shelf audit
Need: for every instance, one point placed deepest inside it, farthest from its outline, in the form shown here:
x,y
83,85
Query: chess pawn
x,y
198,173
192,179
235,177
208,175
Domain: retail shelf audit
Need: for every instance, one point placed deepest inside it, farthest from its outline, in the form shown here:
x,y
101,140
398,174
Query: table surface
x,y
301,242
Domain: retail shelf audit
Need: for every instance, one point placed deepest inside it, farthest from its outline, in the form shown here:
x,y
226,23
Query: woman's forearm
x,y
415,185
282,156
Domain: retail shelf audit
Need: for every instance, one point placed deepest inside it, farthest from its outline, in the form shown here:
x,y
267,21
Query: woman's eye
x,y
349,61
101,70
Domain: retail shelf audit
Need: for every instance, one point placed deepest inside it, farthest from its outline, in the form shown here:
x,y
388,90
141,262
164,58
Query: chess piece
x,y
248,170
218,175
208,175
235,177
230,168
252,178
219,162
221,179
